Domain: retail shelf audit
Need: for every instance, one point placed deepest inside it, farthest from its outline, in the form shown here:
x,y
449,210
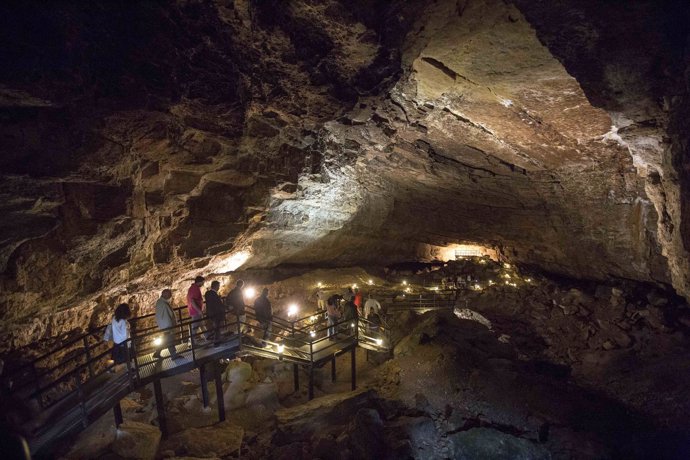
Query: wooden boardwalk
x,y
85,385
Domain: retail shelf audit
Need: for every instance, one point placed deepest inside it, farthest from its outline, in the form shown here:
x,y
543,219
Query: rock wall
x,y
145,144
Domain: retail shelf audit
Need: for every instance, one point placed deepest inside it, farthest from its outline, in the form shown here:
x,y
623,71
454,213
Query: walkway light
x,y
477,287
407,289
379,342
529,280
354,286
292,309
157,341
370,282
352,324
249,293
281,348
319,284
404,282
312,334
506,265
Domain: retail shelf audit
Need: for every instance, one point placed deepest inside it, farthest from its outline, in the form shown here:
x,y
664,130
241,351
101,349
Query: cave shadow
x,y
624,431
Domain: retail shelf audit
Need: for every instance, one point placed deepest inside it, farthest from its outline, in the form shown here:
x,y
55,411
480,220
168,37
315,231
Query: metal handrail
x,y
89,363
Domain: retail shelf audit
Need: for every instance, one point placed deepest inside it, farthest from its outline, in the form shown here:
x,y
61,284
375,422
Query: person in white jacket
x,y
165,319
120,333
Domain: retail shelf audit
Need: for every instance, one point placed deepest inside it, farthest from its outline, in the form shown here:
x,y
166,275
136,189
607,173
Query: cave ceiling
x,y
147,143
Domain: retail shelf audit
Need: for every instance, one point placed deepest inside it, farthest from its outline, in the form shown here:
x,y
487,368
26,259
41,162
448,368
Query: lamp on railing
x,y
379,342
312,334
370,282
249,293
319,284
280,348
292,310
158,341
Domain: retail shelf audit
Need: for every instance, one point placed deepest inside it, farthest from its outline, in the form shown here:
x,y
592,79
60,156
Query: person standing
x,y
371,306
215,310
264,314
120,333
321,299
333,316
195,303
350,311
165,319
358,301
235,301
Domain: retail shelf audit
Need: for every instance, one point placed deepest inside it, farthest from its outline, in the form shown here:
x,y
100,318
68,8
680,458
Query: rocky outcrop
x,y
146,144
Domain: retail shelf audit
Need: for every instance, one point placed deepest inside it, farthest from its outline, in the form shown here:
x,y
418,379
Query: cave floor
x,y
453,390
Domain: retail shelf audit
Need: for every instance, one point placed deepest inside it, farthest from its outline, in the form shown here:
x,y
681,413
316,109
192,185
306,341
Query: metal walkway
x,y
76,383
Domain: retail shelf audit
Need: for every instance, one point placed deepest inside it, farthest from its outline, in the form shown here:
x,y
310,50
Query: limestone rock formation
x,y
144,144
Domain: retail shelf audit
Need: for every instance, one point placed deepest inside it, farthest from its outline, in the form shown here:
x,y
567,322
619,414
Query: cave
x,y
509,179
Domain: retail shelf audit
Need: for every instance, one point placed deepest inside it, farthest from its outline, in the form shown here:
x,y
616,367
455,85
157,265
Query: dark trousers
x,y
267,327
213,326
168,340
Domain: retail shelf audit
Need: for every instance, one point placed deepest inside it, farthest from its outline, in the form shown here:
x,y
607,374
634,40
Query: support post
x,y
204,384
353,367
160,407
219,392
311,382
117,411
82,402
295,375
333,369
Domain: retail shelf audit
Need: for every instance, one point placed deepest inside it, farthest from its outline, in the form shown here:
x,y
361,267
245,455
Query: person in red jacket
x,y
195,303
358,301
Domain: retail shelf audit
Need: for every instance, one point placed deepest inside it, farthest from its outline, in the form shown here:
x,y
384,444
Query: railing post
x,y
191,339
128,357
239,332
87,349
179,322
136,361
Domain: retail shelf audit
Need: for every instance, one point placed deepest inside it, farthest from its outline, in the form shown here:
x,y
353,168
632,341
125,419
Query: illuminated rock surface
x,y
326,134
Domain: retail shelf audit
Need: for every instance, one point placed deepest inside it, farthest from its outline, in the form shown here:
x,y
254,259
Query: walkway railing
x,y
80,374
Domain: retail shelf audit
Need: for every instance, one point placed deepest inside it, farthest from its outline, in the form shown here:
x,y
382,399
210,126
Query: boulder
x,y
137,440
218,440
483,443
367,440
